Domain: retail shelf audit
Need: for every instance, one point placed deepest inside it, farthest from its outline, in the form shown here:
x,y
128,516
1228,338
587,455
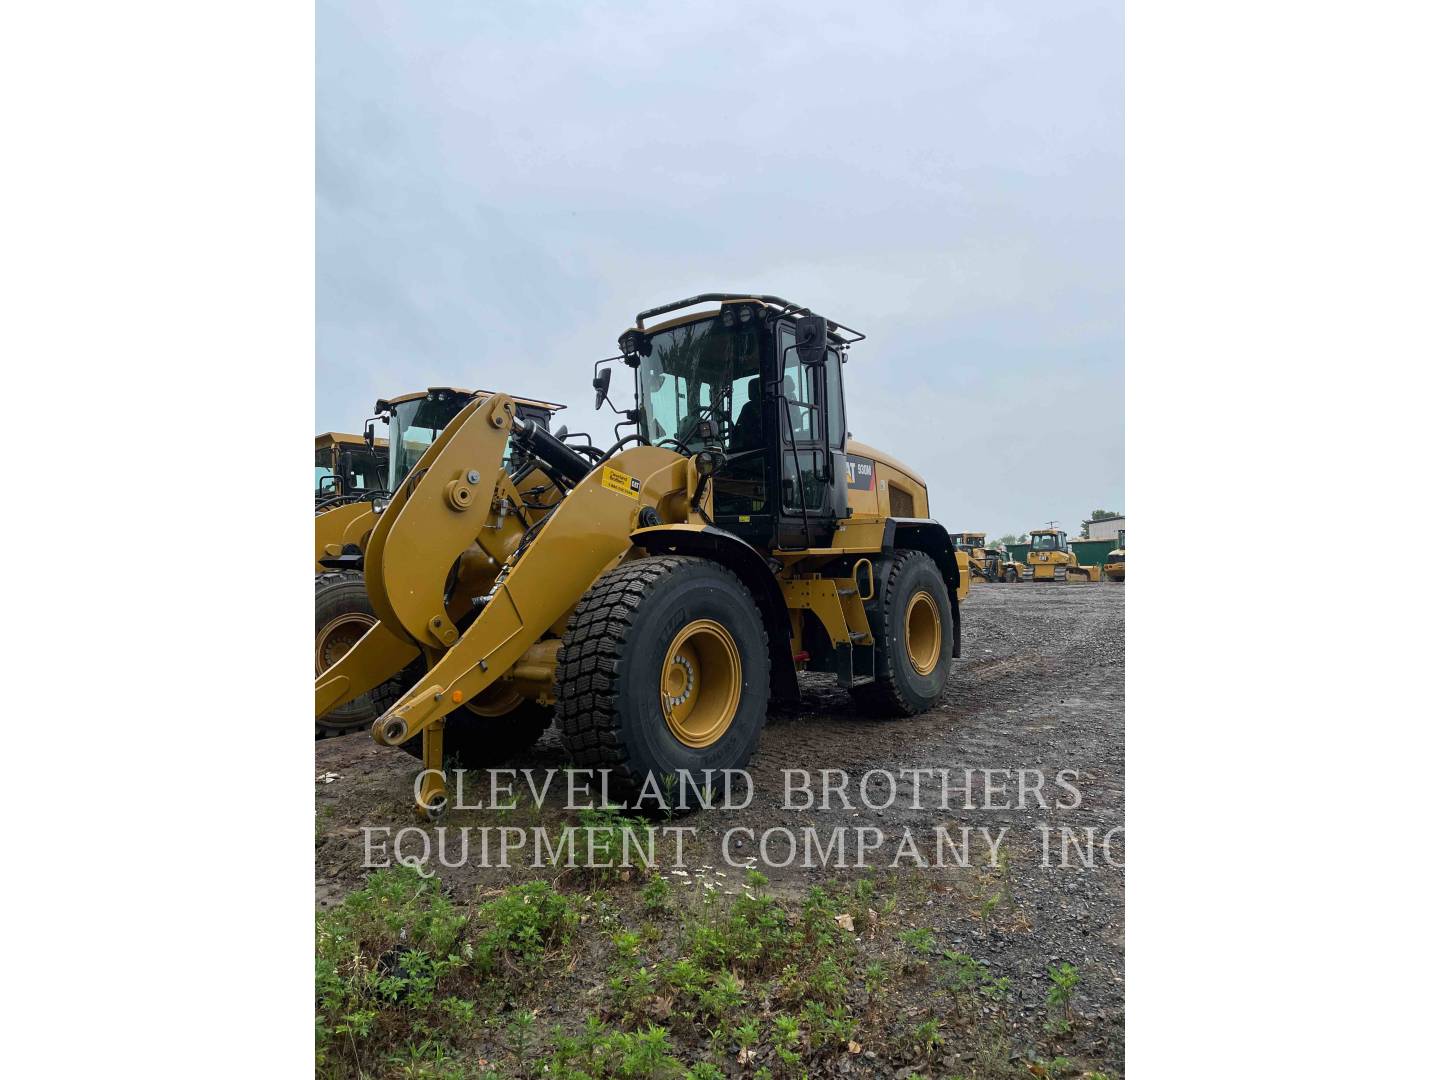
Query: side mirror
x,y
601,383
370,434
810,339
562,431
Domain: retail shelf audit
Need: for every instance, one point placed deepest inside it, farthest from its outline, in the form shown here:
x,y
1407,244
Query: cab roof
x,y
400,399
776,304
340,438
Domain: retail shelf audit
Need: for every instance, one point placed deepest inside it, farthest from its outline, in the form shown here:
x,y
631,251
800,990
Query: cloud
x,y
501,187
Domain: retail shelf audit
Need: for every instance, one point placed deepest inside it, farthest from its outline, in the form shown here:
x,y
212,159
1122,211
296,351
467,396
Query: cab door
x,y
809,410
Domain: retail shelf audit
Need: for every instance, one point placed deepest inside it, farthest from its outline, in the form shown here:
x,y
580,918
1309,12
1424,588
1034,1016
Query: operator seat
x,y
747,433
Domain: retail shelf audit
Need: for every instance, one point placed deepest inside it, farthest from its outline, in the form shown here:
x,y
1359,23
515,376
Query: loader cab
x,y
971,542
416,420
761,384
345,466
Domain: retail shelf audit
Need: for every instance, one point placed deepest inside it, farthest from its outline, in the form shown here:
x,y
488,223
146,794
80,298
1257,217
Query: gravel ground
x,y
1040,686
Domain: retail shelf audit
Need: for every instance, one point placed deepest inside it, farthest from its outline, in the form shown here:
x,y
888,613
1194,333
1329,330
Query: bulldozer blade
x,y
377,656
587,532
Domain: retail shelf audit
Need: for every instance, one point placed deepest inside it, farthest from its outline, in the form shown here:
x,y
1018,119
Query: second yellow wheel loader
x,y
988,564
347,468
678,583
342,526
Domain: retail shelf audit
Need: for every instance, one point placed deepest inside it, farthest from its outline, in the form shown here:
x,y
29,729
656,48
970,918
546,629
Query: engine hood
x,y
859,449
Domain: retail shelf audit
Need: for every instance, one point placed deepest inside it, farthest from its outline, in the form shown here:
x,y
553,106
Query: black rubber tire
x,y
898,689
342,592
607,684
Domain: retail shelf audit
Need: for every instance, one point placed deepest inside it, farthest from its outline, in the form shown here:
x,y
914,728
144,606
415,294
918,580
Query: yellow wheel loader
x,y
677,582
342,525
1115,565
1051,559
347,467
349,472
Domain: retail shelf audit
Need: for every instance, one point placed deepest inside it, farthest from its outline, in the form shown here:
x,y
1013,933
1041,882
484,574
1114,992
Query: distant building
x,y
1107,529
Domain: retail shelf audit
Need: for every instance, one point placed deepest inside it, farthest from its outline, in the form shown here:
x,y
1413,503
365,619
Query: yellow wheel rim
x,y
496,701
922,632
700,683
338,636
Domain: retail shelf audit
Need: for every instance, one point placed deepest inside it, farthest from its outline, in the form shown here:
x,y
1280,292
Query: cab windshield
x,y
702,371
413,427
1045,542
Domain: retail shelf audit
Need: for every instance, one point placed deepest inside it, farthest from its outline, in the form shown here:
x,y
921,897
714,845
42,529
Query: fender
x,y
710,542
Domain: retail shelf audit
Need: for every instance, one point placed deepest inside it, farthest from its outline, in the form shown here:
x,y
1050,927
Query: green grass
x,y
628,980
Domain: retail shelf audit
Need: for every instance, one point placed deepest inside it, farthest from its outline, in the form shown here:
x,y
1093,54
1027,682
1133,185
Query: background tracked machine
x,y
1050,558
343,525
988,564
678,580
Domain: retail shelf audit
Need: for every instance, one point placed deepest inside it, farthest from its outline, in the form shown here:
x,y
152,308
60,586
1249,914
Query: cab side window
x,y
834,402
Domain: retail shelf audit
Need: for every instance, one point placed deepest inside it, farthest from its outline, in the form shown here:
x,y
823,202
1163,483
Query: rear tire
x,y
342,615
664,670
908,679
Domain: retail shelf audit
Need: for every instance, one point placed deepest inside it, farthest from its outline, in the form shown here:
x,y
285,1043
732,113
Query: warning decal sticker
x,y
615,480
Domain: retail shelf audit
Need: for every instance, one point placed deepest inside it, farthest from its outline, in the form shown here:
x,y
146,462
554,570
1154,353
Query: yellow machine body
x,y
339,527
342,532
1050,558
983,563
484,582
1115,565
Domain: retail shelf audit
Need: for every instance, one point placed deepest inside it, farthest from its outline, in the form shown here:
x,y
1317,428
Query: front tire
x,y
664,673
913,628
342,616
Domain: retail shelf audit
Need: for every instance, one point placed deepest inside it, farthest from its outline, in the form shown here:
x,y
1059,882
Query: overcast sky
x,y
501,187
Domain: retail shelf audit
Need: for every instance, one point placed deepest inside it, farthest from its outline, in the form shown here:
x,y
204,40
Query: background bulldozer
x,y
342,609
674,583
1051,559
